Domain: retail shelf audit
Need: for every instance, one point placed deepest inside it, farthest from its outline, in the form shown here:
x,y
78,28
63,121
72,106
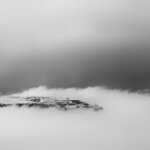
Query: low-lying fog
x,y
124,124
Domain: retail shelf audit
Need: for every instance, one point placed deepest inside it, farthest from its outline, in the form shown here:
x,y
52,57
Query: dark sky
x,y
123,69
74,43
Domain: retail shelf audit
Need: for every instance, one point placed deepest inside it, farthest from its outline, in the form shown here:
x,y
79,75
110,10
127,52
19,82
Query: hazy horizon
x,y
96,51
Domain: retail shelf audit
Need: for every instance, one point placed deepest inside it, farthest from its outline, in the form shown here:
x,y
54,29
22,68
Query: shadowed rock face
x,y
48,102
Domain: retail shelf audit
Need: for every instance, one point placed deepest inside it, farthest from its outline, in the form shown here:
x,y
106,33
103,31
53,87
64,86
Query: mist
x,y
94,51
122,124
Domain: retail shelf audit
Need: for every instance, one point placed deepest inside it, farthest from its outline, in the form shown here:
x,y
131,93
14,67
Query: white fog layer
x,y
122,125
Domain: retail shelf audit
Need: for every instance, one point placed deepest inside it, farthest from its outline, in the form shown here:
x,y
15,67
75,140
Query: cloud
x,y
123,124
33,25
91,93
74,44
126,69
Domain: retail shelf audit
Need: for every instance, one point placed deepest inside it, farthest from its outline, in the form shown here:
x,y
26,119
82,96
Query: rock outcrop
x,y
48,102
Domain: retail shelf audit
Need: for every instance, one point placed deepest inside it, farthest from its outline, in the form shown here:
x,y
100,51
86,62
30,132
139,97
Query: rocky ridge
x,y
49,102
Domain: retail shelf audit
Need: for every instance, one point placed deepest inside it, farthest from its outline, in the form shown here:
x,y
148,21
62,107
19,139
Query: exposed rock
x,y
48,102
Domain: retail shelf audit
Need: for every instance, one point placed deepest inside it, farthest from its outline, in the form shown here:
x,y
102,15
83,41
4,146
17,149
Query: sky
x,y
74,43
97,51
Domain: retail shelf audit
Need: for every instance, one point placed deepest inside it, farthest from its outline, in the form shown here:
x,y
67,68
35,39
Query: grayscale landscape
x,y
74,75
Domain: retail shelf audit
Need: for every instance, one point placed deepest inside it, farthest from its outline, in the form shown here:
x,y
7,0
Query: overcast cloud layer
x,y
74,43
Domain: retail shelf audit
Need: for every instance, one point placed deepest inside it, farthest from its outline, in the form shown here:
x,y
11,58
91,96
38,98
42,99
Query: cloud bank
x,y
123,124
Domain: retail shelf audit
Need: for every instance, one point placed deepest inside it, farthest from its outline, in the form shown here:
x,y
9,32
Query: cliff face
x,y
49,102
